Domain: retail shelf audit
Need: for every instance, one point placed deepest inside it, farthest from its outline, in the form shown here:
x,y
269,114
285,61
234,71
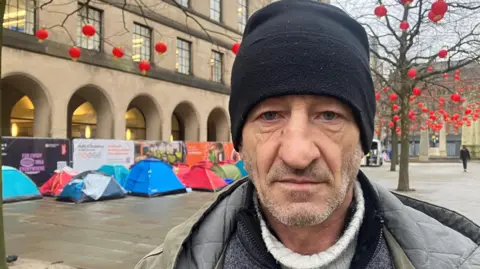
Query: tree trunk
x,y
3,256
403,179
394,159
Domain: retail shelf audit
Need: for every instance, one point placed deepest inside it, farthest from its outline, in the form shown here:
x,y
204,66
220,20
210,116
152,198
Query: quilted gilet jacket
x,y
418,234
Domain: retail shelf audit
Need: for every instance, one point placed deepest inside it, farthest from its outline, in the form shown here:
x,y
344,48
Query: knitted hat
x,y
298,47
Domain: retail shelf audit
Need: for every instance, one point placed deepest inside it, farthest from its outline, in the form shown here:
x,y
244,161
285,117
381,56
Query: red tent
x,y
180,170
54,186
203,179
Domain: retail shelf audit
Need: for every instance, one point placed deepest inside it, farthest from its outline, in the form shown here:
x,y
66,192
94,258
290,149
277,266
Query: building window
x,y
93,16
19,16
216,64
242,14
141,43
215,10
182,2
183,56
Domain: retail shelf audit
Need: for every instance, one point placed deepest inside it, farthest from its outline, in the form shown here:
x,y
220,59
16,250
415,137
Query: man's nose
x,y
297,147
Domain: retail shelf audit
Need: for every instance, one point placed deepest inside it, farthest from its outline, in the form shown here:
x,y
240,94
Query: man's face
x,y
302,154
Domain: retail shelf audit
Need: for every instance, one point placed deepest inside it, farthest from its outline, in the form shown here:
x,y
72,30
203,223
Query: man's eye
x,y
329,115
270,115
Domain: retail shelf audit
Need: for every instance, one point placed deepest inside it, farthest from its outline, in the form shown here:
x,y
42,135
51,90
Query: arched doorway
x,y
25,107
136,128
142,119
184,123
217,126
89,114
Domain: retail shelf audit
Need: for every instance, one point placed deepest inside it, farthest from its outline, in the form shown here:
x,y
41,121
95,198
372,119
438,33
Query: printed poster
x,y
91,154
171,152
214,152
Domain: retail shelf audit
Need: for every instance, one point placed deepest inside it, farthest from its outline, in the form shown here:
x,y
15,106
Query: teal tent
x,y
17,186
119,172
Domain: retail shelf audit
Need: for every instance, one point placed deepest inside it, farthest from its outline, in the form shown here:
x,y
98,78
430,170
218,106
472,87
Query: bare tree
x,y
144,8
417,42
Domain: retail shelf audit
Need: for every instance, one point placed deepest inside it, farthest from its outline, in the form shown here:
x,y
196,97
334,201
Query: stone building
x,y
184,95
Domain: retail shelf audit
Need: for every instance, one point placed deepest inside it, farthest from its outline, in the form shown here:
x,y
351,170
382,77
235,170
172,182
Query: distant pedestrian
x,y
465,157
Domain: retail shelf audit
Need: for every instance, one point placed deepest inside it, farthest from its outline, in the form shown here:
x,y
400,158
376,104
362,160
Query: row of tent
x,y
147,178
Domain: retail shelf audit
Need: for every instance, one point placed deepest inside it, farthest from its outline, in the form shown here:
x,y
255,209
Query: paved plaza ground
x,y
117,233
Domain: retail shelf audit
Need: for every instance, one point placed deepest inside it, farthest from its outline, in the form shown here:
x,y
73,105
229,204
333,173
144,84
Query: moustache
x,y
314,172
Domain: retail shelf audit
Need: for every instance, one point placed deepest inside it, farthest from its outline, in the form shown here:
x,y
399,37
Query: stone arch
x,y
25,106
151,127
185,123
217,126
90,114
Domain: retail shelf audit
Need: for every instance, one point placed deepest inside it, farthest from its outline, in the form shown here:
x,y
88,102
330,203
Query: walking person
x,y
302,109
465,157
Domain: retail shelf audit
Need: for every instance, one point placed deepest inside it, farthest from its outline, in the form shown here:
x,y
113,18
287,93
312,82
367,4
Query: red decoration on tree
x,y
144,66
391,124
235,48
443,53
406,2
412,73
88,30
412,99
456,77
434,17
424,110
41,34
161,47
439,7
404,25
395,107
74,53
445,75
385,89
396,118
117,52
468,111
392,97
377,96
380,11
430,69
416,91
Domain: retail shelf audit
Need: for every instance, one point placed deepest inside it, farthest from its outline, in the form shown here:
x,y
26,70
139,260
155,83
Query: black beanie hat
x,y
297,47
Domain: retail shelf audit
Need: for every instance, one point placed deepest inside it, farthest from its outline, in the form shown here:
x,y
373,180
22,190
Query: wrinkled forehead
x,y
302,101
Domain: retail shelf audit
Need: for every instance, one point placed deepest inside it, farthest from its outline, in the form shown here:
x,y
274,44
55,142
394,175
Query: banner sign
x,y
210,151
171,152
38,158
91,154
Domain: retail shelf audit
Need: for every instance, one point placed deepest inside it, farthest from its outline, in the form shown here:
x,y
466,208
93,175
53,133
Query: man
x,y
465,157
302,110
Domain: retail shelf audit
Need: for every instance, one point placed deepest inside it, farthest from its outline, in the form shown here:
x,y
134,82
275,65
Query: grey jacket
x,y
419,235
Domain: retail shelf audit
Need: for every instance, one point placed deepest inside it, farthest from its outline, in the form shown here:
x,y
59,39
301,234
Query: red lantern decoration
x,y
391,124
430,69
88,30
416,91
445,75
117,52
377,96
161,47
424,110
404,25
395,107
396,118
412,99
235,48
380,11
443,53
439,7
420,105
406,2
441,100
468,111
144,66
434,17
41,34
74,53
412,73
456,77
392,97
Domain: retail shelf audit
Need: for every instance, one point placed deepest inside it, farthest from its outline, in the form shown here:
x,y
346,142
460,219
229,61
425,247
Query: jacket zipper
x,y
379,238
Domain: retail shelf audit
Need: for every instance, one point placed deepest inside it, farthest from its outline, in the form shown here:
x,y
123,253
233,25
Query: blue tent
x,y
119,172
91,186
241,166
17,186
153,177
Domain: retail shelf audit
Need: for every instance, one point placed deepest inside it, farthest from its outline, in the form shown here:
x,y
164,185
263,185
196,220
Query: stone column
x,y
443,142
424,145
